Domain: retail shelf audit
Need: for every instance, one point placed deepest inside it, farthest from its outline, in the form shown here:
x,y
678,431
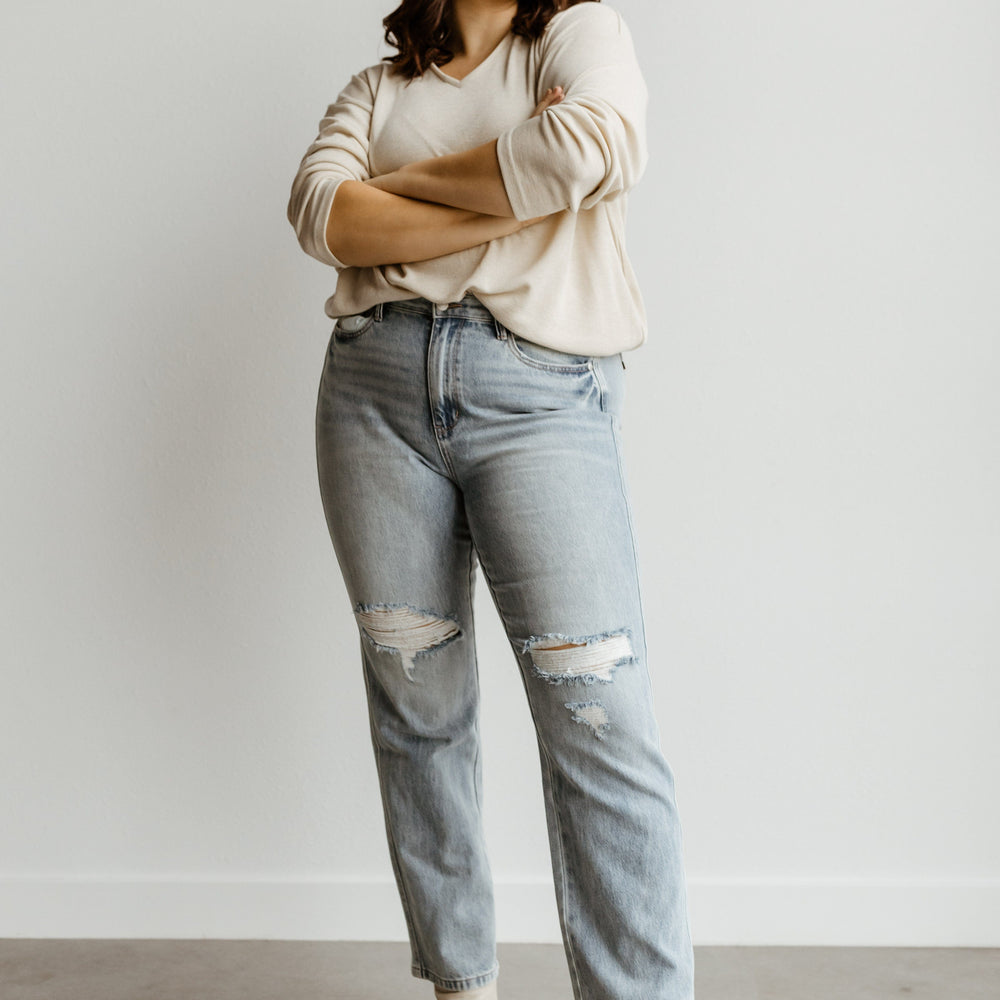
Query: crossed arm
x,y
425,209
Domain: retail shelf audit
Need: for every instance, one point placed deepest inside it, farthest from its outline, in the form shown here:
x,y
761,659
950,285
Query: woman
x,y
471,193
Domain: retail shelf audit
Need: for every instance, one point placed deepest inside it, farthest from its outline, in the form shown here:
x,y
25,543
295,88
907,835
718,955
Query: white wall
x,y
813,439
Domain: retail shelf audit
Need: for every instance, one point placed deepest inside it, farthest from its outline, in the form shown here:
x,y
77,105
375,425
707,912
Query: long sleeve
x,y
592,144
339,153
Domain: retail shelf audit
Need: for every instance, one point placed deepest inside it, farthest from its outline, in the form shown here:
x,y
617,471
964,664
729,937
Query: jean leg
x,y
547,502
401,536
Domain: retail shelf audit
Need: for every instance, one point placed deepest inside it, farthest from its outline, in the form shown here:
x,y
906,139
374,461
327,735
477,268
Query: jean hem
x,y
468,983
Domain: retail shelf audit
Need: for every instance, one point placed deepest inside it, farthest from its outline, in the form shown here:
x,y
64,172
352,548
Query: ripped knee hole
x,y
559,659
405,630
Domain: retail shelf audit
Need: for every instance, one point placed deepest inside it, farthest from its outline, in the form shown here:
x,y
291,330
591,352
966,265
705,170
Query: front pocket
x,y
546,358
353,326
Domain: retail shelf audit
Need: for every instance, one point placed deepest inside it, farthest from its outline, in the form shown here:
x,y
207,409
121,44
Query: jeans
x,y
445,440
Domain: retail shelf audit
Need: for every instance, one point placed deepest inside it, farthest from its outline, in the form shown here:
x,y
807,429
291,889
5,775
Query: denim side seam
x,y
616,437
393,847
563,880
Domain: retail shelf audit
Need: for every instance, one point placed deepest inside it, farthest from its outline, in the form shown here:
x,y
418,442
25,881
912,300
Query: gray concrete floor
x,y
63,969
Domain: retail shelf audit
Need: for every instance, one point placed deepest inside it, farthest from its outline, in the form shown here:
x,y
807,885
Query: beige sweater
x,y
565,282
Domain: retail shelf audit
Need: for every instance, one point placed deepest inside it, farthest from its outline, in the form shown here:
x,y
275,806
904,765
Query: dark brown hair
x,y
422,30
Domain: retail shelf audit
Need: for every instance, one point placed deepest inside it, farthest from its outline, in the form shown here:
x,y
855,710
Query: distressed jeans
x,y
445,440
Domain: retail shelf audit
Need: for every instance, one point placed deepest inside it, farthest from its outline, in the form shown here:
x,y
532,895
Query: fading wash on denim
x,y
444,439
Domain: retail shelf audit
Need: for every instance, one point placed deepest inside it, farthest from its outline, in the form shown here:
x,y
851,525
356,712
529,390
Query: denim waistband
x,y
468,307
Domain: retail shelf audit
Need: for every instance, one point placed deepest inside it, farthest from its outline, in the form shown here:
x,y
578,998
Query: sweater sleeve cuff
x,y
517,194
318,247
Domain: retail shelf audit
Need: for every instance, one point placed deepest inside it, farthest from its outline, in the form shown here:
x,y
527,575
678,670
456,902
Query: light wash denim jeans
x,y
444,439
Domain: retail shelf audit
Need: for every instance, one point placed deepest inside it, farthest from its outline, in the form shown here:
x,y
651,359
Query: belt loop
x,y
500,329
378,312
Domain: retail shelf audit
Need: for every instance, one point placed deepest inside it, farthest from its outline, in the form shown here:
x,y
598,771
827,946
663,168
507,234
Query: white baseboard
x,y
724,911
899,913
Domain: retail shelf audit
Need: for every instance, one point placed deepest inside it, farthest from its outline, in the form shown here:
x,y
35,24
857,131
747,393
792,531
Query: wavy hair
x,y
423,31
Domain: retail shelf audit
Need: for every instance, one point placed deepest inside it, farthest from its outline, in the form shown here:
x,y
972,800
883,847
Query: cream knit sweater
x,y
565,282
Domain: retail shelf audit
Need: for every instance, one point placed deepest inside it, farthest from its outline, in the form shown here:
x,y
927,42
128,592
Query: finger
x,y
552,96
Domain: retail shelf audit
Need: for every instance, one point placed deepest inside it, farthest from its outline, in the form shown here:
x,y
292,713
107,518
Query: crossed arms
x,y
425,209
588,146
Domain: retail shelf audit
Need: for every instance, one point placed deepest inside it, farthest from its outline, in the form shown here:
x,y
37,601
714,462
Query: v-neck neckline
x,y
475,69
